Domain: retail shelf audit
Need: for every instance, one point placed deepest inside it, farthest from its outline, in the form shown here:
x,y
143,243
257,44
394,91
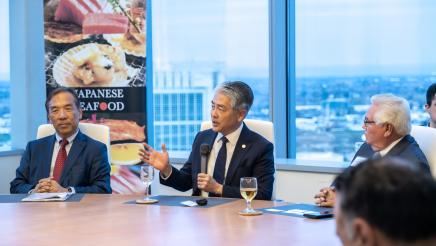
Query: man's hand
x,y
49,185
326,197
43,185
206,183
158,160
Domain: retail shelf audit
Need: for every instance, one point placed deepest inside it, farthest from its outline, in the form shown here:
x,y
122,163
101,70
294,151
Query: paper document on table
x,y
189,203
47,197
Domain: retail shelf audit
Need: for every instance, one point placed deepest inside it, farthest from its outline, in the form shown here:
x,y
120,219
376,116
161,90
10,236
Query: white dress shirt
x,y
384,151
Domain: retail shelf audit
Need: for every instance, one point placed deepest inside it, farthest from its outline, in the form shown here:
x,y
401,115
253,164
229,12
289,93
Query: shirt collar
x,y
231,137
390,146
70,138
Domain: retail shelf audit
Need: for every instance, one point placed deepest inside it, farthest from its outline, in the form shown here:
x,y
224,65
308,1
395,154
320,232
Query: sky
x,y
229,34
4,40
365,36
335,37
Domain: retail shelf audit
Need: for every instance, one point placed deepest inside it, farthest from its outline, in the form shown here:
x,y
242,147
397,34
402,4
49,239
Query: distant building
x,y
179,109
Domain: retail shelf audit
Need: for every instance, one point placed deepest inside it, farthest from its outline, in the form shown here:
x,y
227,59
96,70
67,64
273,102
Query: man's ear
x,y
426,107
389,130
242,114
363,234
48,118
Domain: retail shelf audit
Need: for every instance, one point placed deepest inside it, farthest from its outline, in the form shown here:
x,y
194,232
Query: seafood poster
x,y
98,47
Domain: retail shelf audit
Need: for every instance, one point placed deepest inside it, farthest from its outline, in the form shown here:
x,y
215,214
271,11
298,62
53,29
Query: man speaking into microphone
x,y
235,151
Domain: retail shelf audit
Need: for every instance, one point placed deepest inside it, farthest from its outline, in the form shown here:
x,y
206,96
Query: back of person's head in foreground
x,y
386,202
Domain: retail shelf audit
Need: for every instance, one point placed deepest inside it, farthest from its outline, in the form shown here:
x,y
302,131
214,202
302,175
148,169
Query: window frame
x,y
282,75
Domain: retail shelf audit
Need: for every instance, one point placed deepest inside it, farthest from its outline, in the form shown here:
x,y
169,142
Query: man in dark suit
x,y
68,161
387,131
236,151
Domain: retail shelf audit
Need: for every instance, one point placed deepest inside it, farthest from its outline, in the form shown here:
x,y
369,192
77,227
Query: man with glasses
x,y
235,152
67,161
387,132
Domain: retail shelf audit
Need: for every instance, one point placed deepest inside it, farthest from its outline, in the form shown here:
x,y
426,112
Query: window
x,y
347,51
5,116
197,45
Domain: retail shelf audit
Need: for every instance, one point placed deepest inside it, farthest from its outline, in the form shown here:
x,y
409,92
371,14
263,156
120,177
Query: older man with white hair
x,y
387,131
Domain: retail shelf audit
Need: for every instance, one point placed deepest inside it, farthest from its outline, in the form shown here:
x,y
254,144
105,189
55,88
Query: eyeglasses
x,y
367,122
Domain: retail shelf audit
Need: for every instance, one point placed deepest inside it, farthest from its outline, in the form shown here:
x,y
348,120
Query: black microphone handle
x,y
203,164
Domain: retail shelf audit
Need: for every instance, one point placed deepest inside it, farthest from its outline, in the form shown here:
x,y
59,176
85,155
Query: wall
x,y
8,164
27,70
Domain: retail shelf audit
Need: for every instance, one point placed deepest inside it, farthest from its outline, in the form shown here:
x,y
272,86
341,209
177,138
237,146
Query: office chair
x,y
426,138
263,128
98,132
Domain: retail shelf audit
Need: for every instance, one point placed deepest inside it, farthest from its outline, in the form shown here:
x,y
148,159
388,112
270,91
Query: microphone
x,y
204,152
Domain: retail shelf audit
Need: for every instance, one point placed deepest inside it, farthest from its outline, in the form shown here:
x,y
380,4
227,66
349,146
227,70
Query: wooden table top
x,y
108,220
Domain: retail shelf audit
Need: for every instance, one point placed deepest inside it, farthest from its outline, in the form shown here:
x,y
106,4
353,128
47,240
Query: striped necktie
x,y
60,160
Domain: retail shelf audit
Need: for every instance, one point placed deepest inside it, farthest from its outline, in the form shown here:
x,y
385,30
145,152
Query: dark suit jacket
x,y
255,160
406,149
86,169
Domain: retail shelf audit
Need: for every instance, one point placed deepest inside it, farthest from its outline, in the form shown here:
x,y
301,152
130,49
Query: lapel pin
x,y
243,146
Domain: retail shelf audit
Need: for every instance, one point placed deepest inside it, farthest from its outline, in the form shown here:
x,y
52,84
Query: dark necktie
x,y
60,160
220,162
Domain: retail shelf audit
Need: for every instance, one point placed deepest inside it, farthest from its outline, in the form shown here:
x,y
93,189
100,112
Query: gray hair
x,y
240,94
393,110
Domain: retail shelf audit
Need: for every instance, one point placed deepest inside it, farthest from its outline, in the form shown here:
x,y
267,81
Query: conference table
x,y
117,220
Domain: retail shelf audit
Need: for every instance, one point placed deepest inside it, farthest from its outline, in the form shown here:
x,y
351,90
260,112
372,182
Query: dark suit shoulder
x,y
364,151
42,140
410,149
40,144
253,137
90,141
256,137
208,133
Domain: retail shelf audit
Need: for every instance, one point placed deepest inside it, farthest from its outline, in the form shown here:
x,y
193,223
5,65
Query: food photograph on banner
x,y
98,47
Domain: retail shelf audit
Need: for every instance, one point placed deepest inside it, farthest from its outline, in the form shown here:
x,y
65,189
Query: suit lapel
x,y
243,145
79,144
399,147
364,151
209,140
49,155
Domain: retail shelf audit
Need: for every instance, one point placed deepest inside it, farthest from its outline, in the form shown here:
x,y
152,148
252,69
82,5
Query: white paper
x,y
189,203
45,197
273,210
297,211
